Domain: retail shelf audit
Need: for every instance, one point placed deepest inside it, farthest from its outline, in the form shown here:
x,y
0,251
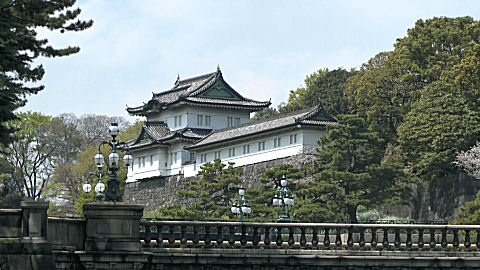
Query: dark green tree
x,y
11,185
214,192
261,197
264,114
351,172
375,94
470,213
444,120
20,46
325,87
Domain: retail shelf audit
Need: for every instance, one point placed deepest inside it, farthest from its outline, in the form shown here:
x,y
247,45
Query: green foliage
x,y
131,132
351,172
323,87
444,120
211,196
261,198
39,145
20,47
470,213
10,185
264,114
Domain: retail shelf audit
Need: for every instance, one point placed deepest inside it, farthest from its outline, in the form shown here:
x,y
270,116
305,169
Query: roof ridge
x,y
266,120
155,123
196,77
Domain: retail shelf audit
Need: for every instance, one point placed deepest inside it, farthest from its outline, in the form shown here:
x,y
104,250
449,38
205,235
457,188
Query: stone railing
x,y
326,236
66,233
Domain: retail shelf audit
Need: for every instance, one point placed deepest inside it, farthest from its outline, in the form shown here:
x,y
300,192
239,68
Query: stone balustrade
x,y
321,236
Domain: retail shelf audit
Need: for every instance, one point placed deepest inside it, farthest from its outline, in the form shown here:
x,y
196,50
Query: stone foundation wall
x,y
162,191
439,201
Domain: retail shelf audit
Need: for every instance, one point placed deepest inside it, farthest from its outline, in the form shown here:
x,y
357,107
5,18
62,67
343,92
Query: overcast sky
x,y
264,48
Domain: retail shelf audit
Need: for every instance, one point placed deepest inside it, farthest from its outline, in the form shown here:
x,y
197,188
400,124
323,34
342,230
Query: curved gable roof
x,y
199,91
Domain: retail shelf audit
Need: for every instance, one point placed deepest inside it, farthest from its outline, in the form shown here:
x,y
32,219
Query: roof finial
x,y
178,79
218,68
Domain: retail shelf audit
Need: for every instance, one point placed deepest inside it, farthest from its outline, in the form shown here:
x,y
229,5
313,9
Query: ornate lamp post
x,y
112,192
241,206
99,187
283,197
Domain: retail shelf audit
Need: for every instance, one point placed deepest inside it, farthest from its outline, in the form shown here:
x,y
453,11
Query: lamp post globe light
x,y
240,205
112,192
283,197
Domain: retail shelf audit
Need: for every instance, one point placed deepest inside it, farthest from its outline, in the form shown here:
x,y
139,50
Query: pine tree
x,y
20,47
213,193
351,172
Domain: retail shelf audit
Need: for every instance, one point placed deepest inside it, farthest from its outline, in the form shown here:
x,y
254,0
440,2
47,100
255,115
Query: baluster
x,y
220,236
256,237
303,239
326,239
148,235
456,242
279,237
385,243
243,240
432,244
338,239
362,239
267,240
183,237
467,243
350,238
315,238
397,242
444,239
291,241
231,238
207,240
196,238
171,236
160,236
373,241
409,239
478,240
420,239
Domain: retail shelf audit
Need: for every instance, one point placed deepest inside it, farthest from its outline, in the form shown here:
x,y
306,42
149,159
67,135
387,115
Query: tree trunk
x,y
352,213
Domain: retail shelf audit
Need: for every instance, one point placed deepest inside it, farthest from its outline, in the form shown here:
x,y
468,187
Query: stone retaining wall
x,y
439,201
161,192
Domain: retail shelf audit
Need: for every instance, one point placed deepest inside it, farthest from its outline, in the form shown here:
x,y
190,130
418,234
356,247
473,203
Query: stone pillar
x,y
112,227
112,237
37,249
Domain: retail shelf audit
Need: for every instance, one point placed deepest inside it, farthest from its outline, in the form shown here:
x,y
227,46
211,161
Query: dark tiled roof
x,y
188,91
158,133
315,116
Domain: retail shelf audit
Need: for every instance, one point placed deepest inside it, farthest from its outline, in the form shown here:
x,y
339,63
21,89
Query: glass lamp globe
x,y
291,201
283,182
100,187
287,201
249,210
241,191
244,209
99,160
128,160
113,159
87,188
276,201
113,129
233,209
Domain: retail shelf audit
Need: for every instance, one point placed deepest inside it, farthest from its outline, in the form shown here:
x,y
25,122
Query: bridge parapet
x,y
418,238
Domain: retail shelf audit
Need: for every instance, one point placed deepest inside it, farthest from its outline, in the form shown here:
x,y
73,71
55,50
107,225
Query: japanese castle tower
x,y
203,118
